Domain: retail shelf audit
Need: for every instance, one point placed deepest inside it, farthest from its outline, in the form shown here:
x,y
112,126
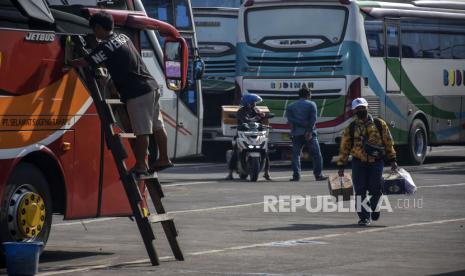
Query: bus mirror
x,y
174,85
175,63
199,68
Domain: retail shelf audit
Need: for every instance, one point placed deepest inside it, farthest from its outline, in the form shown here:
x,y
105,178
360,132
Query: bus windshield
x,y
216,3
217,34
309,24
176,11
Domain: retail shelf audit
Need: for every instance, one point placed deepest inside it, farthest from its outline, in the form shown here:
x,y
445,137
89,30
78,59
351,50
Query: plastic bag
x,y
410,187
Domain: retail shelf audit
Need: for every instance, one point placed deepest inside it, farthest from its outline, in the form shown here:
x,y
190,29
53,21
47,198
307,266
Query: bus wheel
x,y
26,213
417,143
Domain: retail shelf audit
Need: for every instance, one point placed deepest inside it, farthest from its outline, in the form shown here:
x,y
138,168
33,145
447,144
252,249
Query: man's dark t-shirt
x,y
125,65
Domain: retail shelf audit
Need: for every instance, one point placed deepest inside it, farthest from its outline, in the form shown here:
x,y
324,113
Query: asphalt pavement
x,y
225,230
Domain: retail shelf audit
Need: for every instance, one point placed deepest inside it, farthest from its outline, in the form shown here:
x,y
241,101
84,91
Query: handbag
x,y
376,151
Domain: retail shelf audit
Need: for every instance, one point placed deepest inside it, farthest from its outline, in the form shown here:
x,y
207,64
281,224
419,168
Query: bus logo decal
x,y
290,84
453,77
41,37
207,23
293,43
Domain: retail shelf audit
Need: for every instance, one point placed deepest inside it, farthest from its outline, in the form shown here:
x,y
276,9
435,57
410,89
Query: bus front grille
x,y
226,67
314,61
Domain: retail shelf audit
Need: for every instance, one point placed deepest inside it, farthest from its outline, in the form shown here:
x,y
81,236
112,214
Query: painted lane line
x,y
218,208
93,267
87,221
216,181
189,183
443,185
265,244
188,166
232,273
447,150
328,236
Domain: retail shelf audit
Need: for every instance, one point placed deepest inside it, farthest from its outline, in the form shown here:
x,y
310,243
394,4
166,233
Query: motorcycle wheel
x,y
254,168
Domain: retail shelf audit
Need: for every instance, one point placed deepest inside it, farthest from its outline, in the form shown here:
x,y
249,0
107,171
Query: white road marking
x,y
87,221
198,272
187,166
216,181
446,150
189,183
216,208
443,185
265,244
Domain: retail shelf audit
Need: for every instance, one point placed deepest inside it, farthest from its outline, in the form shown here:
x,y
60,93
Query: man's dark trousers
x,y
314,149
367,177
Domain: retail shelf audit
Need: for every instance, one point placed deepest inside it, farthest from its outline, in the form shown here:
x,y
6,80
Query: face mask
x,y
362,114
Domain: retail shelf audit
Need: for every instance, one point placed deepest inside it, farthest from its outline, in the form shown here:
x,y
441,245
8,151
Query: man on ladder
x,y
137,88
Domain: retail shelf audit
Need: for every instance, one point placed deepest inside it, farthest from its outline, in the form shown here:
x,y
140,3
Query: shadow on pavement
x,y
299,227
57,256
443,159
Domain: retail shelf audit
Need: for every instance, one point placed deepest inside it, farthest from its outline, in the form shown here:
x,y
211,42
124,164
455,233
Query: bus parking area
x,y
224,230
119,118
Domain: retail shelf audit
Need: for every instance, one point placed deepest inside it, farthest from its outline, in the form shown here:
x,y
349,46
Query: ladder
x,y
114,141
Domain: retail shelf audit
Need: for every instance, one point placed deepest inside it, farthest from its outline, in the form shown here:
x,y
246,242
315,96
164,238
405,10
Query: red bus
x,y
53,157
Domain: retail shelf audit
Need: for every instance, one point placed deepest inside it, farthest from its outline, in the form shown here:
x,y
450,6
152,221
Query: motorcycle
x,y
252,145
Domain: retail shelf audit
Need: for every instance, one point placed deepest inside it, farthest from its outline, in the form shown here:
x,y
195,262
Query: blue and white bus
x,y
407,60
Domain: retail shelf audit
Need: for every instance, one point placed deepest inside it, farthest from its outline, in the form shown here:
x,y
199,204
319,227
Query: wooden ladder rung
x,y
113,101
127,135
160,218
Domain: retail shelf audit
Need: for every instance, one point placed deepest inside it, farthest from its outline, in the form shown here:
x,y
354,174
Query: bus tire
x,y
27,191
417,143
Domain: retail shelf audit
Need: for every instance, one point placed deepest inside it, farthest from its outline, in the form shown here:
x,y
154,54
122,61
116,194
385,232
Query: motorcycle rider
x,y
248,113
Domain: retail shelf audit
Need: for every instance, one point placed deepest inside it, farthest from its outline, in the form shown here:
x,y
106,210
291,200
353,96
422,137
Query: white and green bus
x,y
407,60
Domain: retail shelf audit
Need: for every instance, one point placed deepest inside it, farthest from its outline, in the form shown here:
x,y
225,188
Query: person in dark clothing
x,y
136,86
248,113
368,143
301,115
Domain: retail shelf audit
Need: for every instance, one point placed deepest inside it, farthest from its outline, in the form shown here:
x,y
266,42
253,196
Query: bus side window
x,y
392,41
420,39
10,17
375,37
182,15
452,40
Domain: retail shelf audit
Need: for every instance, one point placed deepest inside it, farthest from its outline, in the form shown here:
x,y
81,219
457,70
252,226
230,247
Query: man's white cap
x,y
359,102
